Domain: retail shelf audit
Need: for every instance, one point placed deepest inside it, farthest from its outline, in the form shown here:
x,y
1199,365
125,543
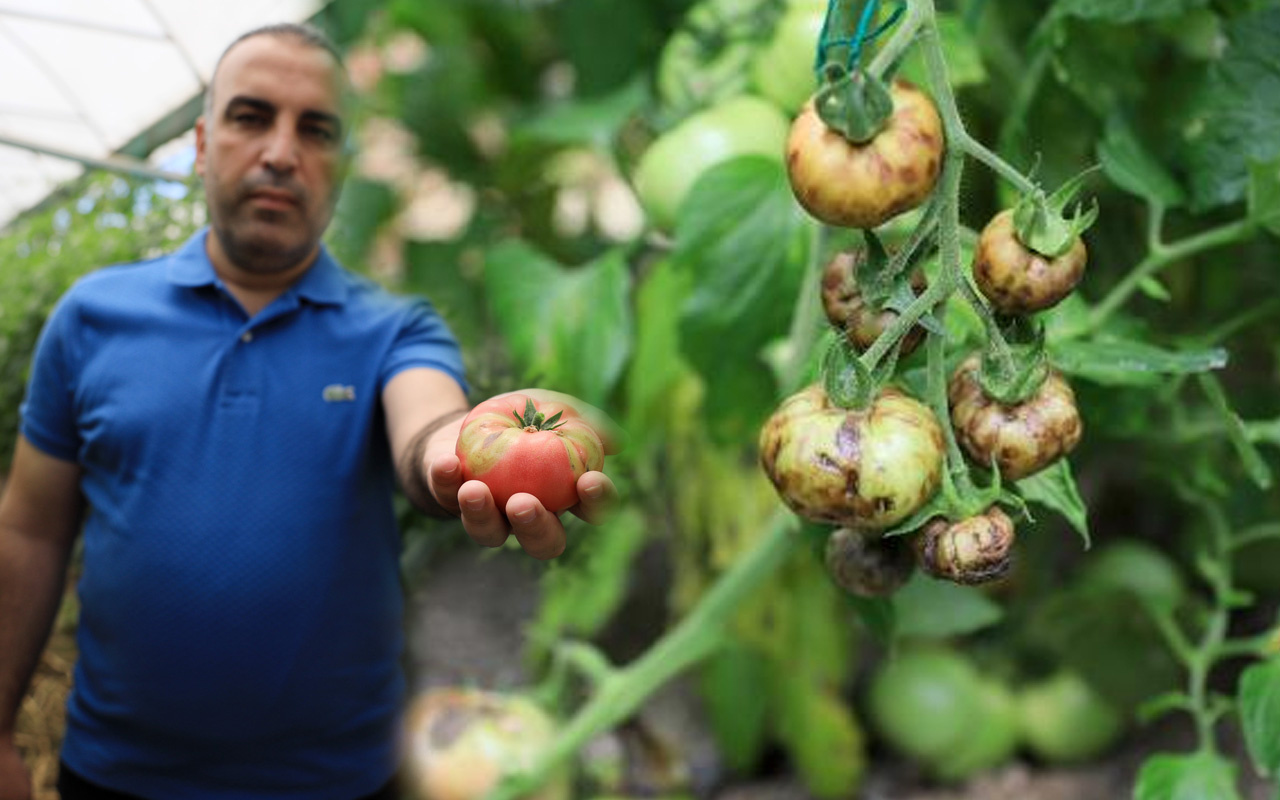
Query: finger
x,y
538,530
480,517
444,477
597,498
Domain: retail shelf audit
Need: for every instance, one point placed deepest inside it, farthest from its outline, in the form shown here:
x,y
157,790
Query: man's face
x,y
270,153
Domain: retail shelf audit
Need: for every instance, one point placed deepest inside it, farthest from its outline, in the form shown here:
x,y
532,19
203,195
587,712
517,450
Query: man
x,y
235,416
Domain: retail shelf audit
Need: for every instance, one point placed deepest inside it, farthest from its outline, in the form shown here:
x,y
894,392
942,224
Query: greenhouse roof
x,y
107,82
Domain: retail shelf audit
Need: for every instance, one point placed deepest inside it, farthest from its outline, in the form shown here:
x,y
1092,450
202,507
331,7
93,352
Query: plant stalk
x,y
695,638
1220,236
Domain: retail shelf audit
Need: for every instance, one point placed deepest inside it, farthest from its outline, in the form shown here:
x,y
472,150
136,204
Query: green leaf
x,y
1264,194
569,328
1055,488
1252,460
594,120
1232,119
1260,714
730,681
934,609
964,57
743,241
1154,289
1114,361
1197,776
581,594
1125,11
1131,167
822,737
877,614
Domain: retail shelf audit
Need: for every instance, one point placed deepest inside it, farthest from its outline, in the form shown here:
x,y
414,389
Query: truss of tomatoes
x,y
869,469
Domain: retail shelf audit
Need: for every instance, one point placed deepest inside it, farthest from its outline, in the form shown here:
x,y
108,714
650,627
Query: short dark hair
x,y
301,32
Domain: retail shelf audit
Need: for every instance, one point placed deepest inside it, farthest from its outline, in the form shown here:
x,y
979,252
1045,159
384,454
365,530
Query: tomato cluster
x,y
939,708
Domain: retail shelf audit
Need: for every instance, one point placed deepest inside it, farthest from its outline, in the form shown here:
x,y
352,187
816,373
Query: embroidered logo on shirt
x,y
337,393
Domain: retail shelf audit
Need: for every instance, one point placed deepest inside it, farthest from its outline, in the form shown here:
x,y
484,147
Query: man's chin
x,y
265,246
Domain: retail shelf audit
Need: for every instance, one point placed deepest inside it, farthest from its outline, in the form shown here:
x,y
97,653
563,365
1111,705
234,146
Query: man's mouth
x,y
275,199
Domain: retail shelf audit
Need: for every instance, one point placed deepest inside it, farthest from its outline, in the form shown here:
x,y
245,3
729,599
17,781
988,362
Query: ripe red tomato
x,y
514,443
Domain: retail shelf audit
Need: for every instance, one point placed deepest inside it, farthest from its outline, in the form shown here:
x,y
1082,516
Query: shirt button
x,y
246,337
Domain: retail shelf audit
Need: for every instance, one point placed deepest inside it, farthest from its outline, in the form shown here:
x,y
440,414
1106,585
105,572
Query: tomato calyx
x,y
534,420
1013,377
1040,223
856,104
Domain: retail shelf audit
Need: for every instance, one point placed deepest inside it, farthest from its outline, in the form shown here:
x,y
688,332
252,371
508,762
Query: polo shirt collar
x,y
322,284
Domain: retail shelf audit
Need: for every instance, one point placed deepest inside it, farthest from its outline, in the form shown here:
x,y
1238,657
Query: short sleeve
x,y
424,340
48,409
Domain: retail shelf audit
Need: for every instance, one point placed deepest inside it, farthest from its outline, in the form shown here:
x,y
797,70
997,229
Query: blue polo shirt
x,y
241,609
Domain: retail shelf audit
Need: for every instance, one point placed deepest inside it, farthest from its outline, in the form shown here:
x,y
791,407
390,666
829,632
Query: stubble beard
x,y
261,253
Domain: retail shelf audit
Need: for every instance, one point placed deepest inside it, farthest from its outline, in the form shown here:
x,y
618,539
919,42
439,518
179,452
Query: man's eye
x,y
320,133
249,118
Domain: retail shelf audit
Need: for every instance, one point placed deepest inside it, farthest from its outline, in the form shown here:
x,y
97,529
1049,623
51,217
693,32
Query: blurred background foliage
x,y
494,156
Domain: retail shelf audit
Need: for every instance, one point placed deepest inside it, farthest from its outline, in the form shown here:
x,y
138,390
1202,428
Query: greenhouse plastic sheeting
x,y
88,77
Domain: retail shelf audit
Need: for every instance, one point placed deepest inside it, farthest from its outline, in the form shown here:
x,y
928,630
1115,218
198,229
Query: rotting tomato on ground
x,y
853,185
868,468
460,743
514,443
1020,439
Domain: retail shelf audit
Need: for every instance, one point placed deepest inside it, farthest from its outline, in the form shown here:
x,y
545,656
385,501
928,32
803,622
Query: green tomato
x,y
707,59
782,70
993,736
1063,720
741,125
925,703
1138,567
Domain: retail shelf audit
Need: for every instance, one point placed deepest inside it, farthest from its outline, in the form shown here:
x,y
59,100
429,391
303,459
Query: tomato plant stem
x,y
903,35
693,639
956,475
1220,236
1001,167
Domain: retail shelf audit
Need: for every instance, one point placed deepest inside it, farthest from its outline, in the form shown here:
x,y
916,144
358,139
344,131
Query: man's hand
x,y
15,782
539,531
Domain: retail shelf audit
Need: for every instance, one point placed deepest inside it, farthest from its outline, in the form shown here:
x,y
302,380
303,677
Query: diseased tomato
x,y
867,564
513,443
1063,720
848,310
1022,439
1017,279
741,125
868,468
460,743
782,70
969,551
864,185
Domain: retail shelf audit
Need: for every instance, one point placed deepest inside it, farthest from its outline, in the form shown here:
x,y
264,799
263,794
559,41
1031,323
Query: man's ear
x,y
201,144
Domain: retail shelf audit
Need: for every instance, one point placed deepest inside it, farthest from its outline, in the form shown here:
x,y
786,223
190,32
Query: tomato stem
x,y
1219,236
697,636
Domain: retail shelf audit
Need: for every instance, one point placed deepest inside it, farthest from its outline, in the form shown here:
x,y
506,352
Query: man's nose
x,y
281,154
